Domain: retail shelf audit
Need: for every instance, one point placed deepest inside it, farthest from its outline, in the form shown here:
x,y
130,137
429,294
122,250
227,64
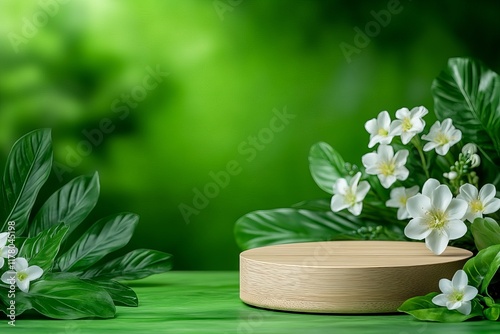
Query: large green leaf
x,y
486,232
482,268
21,302
469,93
326,166
105,236
42,249
281,226
70,298
136,264
71,204
121,294
28,167
423,308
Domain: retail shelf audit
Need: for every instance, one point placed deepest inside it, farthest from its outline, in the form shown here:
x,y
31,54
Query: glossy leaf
x,y
326,166
486,232
71,204
469,93
281,226
22,303
121,294
42,249
71,299
423,308
28,167
136,264
105,236
482,268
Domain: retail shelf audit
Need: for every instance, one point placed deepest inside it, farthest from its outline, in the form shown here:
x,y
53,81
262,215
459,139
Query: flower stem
x,y
416,142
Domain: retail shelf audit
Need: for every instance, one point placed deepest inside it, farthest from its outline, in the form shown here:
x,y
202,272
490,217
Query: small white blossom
x,y
349,196
408,123
5,249
469,149
479,202
399,197
388,166
442,136
22,275
436,216
456,294
379,129
474,161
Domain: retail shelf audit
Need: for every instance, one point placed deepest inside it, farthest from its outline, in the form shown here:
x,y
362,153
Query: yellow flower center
x,y
387,168
403,200
457,296
442,139
21,276
383,132
476,206
437,219
406,124
350,197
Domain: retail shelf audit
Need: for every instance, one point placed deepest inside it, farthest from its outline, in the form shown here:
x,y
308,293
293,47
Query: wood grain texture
x,y
343,276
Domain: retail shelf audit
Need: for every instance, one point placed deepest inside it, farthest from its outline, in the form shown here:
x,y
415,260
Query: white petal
x,y
492,206
23,285
386,181
440,300
429,146
402,113
453,304
429,186
468,192
8,276
338,203
373,140
488,191
441,198
385,152
371,126
465,308
403,213
469,293
20,264
437,241
402,173
341,187
417,229
442,149
34,272
455,229
2,261
400,157
459,280
355,180
356,208
419,112
445,286
363,189
369,159
3,239
396,128
456,209
418,206
384,120
406,137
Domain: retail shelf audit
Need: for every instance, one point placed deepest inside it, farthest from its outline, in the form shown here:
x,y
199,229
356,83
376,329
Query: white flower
x,y
349,196
4,248
442,136
436,216
399,197
456,294
408,123
379,129
479,202
388,166
474,161
22,275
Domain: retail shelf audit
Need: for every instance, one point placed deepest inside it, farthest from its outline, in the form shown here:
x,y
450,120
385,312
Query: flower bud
x,y
475,161
451,175
469,149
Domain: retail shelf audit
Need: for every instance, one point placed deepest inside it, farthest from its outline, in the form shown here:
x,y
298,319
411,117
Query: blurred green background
x,y
81,67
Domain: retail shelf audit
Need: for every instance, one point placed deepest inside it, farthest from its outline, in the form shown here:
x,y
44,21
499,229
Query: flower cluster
x,y
439,212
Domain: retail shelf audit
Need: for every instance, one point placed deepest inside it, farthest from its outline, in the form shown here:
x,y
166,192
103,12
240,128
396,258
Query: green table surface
x,y
208,302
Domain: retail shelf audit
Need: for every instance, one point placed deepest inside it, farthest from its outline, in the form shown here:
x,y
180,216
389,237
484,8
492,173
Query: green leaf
x,y
22,303
121,294
492,313
105,236
482,268
71,204
486,232
136,264
423,308
42,249
70,298
469,93
326,166
28,167
281,226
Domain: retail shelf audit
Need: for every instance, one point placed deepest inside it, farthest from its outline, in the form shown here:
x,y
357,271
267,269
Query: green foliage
x,y
326,166
486,232
423,308
67,290
482,268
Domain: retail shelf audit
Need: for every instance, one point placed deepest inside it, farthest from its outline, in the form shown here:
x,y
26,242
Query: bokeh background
x,y
231,64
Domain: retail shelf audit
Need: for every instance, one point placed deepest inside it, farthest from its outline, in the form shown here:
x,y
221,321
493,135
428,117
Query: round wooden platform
x,y
343,276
